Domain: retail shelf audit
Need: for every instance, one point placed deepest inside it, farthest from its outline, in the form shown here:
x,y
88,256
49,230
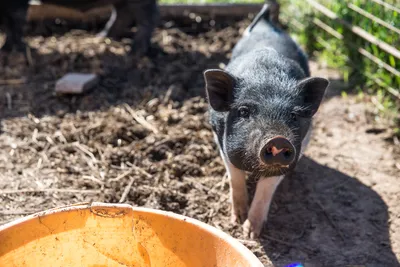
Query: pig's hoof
x,y
252,230
239,215
235,218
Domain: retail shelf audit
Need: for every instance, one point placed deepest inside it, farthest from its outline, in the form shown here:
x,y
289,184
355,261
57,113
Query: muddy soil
x,y
145,124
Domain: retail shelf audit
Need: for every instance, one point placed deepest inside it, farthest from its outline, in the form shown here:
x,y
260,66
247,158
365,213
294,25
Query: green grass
x,y
362,73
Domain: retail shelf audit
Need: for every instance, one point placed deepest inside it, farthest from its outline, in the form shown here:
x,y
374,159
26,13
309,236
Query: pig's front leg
x,y
239,198
238,190
237,185
260,205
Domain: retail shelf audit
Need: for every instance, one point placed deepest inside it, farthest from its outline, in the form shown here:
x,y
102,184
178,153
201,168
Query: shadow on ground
x,y
326,218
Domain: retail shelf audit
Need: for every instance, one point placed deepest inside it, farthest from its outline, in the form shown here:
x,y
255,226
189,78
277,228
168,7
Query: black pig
x,y
261,107
13,16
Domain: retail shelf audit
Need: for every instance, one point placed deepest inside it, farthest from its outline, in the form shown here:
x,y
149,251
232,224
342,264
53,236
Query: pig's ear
x,y
312,91
219,89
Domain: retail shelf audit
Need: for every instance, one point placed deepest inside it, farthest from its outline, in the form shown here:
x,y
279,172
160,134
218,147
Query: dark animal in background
x,y
13,16
261,108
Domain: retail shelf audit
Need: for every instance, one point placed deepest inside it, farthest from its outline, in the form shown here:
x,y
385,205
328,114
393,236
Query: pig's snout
x,y
278,151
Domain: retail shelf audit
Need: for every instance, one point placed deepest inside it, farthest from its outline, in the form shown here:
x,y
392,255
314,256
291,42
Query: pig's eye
x,y
244,112
294,116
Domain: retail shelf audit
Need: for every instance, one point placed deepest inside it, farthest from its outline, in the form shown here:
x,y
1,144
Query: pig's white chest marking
x,y
305,142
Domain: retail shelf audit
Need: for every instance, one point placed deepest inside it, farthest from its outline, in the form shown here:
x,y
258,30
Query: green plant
x,y
338,46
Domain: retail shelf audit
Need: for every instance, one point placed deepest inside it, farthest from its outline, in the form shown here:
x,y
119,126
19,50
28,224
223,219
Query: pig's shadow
x,y
323,217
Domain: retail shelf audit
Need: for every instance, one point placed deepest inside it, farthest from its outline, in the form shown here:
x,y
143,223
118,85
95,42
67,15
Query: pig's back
x,y
265,35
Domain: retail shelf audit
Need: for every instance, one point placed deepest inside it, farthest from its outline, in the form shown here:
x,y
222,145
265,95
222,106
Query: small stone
x,y
76,83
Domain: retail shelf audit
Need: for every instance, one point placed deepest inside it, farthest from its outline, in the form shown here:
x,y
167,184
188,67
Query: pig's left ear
x,y
219,89
312,90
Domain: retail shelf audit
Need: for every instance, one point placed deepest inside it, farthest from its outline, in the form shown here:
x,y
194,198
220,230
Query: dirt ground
x,y
144,130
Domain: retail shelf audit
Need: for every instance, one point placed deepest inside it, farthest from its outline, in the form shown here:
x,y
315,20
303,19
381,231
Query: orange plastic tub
x,y
100,235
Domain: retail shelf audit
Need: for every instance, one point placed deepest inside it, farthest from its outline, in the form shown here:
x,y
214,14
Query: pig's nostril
x,y
267,155
287,154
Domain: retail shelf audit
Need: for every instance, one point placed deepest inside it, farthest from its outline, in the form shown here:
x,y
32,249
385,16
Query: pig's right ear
x,y
312,90
219,89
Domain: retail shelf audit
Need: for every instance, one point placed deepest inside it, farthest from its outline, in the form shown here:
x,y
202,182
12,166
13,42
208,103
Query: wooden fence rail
x,y
373,18
356,30
386,5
